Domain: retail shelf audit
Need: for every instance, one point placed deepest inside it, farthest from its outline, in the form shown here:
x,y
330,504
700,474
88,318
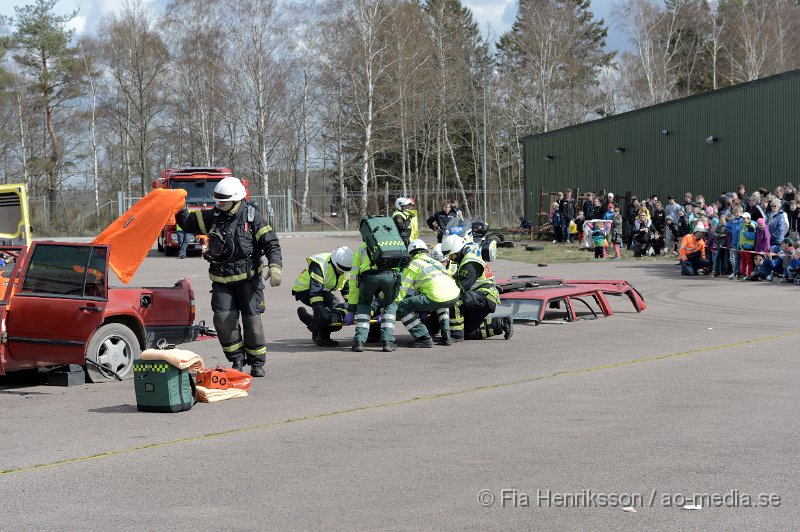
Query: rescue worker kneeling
x,y
478,295
436,292
693,251
326,273
237,239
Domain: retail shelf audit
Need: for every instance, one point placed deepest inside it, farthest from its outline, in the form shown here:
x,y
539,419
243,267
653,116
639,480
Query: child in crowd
x,y
555,218
762,236
599,240
747,244
767,265
734,228
579,220
670,236
616,231
794,267
609,214
719,247
683,225
711,244
792,214
787,254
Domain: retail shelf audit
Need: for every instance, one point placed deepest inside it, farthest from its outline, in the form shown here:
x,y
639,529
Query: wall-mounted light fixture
x,y
619,150
548,157
711,139
665,132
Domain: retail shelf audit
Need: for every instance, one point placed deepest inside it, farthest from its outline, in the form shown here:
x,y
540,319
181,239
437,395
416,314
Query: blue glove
x,y
349,318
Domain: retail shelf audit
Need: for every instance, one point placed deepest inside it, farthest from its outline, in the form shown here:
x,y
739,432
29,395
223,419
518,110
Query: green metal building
x,y
705,144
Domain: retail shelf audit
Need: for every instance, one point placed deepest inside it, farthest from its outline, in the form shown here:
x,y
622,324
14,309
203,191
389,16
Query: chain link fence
x,y
74,212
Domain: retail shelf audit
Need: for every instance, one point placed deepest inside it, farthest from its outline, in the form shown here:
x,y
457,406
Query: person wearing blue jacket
x,y
734,227
776,221
771,264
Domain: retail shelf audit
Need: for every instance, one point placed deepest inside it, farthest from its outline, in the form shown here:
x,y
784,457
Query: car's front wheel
x,y
113,346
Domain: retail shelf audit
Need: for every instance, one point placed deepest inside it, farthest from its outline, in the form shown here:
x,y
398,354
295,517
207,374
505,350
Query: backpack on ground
x,y
384,245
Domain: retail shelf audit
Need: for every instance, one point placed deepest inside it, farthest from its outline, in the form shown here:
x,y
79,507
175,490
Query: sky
x,y
494,16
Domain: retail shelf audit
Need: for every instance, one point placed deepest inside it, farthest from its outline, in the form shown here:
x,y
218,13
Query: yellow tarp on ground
x,y
132,235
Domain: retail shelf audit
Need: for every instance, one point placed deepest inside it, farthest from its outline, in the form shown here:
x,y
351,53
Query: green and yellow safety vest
x,y
428,277
482,283
330,281
413,226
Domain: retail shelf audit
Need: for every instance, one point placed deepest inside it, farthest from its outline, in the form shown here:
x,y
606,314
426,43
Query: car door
x,y
14,219
60,303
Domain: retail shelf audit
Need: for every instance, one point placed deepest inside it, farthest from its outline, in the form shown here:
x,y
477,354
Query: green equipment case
x,y
161,387
385,247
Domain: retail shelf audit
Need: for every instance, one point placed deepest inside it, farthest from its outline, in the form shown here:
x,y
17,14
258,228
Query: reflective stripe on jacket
x,y
690,244
428,277
329,281
251,239
485,281
410,229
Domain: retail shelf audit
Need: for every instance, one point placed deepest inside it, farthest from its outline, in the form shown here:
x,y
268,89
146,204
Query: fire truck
x,y
199,183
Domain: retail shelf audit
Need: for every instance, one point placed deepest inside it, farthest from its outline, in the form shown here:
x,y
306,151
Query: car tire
x,y
114,346
533,248
160,246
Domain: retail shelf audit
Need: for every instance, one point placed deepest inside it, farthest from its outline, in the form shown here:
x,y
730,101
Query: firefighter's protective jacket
x,y
244,232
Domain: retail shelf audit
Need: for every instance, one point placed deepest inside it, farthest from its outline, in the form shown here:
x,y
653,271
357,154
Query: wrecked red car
x,y
539,299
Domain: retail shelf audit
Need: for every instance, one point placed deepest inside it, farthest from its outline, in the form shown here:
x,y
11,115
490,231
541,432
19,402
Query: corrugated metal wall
x,y
757,124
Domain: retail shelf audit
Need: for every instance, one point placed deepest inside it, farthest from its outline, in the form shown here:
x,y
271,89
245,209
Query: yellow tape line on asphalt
x,y
377,406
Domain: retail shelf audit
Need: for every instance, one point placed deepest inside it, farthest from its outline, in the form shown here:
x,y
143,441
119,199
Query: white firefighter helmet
x,y
452,244
401,202
342,258
436,253
699,228
416,246
229,189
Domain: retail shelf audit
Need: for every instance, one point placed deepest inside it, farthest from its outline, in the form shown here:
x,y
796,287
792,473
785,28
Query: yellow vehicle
x,y
15,225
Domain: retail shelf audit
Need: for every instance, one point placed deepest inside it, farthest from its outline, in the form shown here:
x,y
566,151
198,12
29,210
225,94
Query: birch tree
x,y
658,37
41,46
256,45
137,59
198,76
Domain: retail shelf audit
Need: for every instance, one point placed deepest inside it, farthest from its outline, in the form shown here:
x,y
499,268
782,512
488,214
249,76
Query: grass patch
x,y
556,253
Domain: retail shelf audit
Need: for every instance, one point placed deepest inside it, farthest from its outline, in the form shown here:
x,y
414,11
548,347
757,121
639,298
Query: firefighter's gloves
x,y
349,318
273,274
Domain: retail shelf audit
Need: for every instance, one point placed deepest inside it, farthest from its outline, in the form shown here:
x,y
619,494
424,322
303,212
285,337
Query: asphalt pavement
x,y
692,402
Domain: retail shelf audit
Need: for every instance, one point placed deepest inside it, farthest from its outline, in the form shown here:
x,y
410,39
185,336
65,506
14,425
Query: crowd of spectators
x,y
739,235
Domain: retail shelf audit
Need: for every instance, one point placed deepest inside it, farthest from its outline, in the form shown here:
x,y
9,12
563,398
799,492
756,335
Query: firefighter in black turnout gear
x,y
237,239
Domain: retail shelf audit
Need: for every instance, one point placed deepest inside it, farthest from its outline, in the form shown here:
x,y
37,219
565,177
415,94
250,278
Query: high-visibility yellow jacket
x,y
410,231
361,264
322,278
690,244
428,277
485,281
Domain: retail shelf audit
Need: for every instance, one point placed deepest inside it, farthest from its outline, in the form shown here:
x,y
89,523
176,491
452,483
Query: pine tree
x,y
551,58
41,45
